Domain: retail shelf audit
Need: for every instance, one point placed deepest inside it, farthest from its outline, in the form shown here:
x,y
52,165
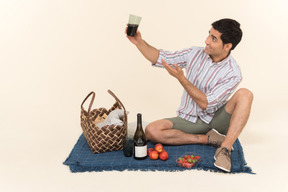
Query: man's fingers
x,y
126,28
165,65
169,68
177,68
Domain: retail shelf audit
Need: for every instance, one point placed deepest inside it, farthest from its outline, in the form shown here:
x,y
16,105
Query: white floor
x,y
33,162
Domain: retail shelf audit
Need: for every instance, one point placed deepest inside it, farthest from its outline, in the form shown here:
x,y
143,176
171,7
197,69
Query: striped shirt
x,y
216,80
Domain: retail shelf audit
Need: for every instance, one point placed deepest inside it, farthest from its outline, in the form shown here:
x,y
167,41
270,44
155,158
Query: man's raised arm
x,y
149,52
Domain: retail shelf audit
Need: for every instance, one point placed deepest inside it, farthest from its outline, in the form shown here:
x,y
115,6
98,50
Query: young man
x,y
205,114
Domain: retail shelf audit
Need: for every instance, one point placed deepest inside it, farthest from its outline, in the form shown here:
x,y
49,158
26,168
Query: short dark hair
x,y
230,29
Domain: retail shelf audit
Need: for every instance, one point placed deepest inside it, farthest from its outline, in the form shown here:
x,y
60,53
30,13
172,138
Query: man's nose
x,y
207,41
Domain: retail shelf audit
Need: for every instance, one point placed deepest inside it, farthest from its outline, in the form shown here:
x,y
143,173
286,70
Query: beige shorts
x,y
220,122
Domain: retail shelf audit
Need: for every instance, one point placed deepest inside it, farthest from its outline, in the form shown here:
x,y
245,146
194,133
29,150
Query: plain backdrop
x,y
53,53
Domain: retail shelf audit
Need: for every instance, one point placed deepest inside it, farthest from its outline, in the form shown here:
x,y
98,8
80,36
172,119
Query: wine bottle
x,y
140,142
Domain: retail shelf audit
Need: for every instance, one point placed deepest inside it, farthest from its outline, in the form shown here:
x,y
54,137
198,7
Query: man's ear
x,y
228,47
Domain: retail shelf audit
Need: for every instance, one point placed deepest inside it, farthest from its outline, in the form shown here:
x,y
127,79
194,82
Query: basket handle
x,y
125,113
116,98
93,97
91,102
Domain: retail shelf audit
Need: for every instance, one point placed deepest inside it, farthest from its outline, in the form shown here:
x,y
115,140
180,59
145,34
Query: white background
x,y
53,53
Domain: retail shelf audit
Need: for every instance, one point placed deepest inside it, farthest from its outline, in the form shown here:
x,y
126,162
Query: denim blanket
x,y
81,159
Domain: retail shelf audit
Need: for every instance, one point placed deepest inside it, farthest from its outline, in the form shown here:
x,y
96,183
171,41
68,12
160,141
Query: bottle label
x,y
140,151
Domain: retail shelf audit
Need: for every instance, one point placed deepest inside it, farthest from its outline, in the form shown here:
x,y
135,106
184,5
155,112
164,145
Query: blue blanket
x,y
81,159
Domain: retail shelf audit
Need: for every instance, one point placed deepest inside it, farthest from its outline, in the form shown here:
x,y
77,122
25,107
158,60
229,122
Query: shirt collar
x,y
220,62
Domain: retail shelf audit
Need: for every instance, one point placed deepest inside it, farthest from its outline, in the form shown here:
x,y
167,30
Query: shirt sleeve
x,y
220,93
178,57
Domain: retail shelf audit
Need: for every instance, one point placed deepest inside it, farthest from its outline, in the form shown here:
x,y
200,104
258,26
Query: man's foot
x,y
223,159
215,138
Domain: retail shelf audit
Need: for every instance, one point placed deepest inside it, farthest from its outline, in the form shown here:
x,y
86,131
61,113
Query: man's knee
x,y
153,130
245,93
150,131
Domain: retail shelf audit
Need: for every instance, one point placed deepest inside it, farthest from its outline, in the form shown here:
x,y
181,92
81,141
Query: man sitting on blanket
x,y
205,114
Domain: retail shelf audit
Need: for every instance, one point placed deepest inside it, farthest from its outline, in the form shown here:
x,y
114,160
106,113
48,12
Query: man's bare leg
x,y
239,106
161,131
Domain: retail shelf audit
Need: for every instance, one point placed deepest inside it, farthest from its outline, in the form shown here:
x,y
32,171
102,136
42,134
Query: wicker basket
x,y
109,137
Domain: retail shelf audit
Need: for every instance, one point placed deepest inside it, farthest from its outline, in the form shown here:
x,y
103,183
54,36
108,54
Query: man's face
x,y
214,45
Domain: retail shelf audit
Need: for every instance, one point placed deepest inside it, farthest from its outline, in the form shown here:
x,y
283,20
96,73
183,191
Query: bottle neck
x,y
139,120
